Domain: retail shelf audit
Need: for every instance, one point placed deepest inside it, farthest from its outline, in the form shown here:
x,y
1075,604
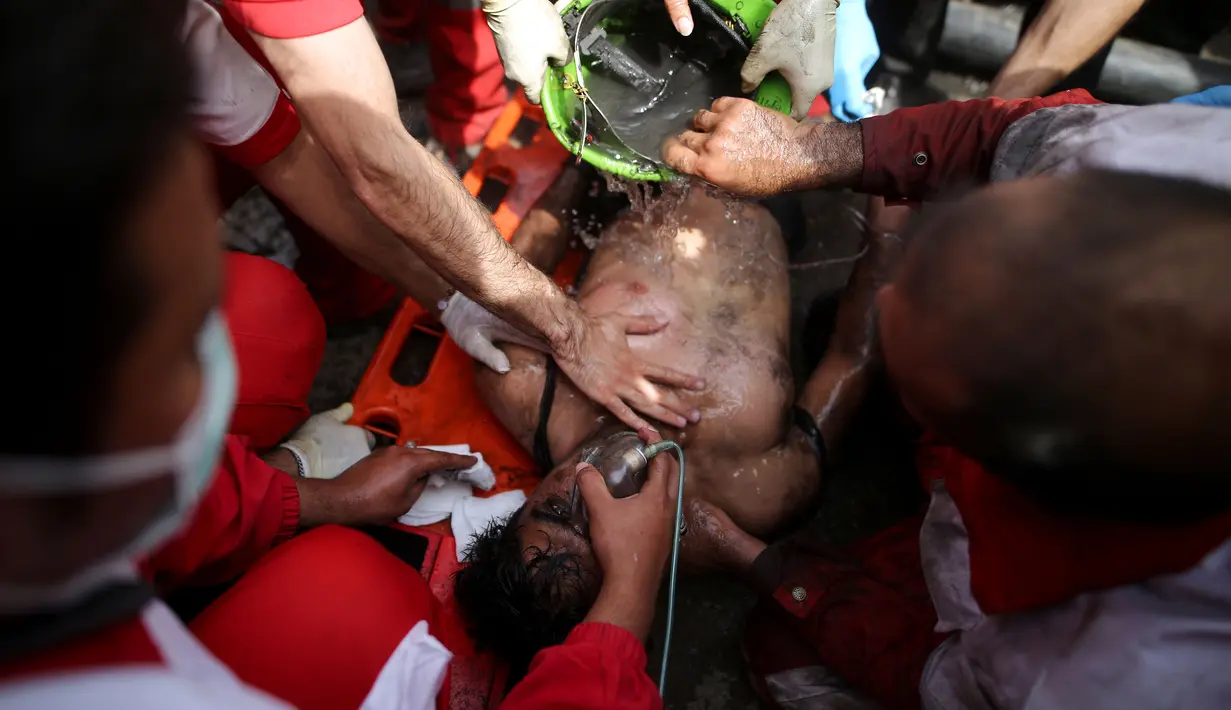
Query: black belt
x,y
807,424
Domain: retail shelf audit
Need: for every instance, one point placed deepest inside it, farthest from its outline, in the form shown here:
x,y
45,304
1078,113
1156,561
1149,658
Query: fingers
x,y
429,461
483,350
663,406
342,413
621,411
756,66
593,489
643,325
704,121
801,100
533,89
693,140
680,157
672,378
681,16
722,104
558,44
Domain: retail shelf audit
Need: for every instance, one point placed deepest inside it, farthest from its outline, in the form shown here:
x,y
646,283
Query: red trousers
x,y
315,620
468,93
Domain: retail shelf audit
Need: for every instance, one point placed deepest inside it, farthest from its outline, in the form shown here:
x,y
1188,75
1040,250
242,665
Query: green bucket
x,y
566,113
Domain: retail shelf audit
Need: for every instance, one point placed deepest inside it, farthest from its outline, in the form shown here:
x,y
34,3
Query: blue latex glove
x,y
855,52
1216,96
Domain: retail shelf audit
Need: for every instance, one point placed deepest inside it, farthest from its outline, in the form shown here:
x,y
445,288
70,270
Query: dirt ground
x,y
872,476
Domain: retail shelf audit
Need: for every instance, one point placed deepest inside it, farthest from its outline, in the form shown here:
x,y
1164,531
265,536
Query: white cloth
x,y
192,678
1163,643
412,676
453,498
233,95
1170,140
479,475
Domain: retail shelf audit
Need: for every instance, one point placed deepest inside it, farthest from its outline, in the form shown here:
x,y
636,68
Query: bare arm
x,y
342,88
341,85
306,179
1065,35
837,387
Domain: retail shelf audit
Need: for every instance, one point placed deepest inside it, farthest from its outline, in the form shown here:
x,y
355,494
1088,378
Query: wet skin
x,y
721,281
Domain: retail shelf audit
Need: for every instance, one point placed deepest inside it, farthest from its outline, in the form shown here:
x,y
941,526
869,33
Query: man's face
x,y
172,242
549,523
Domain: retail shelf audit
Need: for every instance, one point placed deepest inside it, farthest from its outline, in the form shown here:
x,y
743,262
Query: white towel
x,y
472,516
450,495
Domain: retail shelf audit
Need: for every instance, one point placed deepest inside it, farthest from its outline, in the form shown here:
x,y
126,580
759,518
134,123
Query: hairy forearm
x,y
1065,34
831,156
341,86
306,179
427,205
837,387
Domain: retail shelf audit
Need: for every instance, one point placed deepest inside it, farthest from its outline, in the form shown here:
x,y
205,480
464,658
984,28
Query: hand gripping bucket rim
x,y
561,95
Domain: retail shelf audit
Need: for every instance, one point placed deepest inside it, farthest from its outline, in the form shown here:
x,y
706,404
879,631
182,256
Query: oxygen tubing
x,y
650,452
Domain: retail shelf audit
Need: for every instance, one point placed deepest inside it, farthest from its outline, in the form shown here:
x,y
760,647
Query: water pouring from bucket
x,y
633,80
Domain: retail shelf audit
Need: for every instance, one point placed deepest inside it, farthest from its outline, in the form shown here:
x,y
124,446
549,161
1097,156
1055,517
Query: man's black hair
x,y
1091,328
95,91
519,602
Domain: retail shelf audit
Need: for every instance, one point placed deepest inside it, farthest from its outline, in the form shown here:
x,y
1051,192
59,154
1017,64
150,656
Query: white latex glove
x,y
528,34
326,445
475,330
797,41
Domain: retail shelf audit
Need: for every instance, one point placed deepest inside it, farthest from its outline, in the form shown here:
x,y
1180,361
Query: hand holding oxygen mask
x,y
629,507
630,504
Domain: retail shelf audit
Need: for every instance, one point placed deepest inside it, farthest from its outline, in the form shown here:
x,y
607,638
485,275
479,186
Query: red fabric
x,y
1023,557
959,139
271,139
598,667
123,644
866,614
343,290
279,340
249,507
468,93
314,621
286,19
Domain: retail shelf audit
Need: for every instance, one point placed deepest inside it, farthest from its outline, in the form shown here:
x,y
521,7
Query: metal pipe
x,y
982,38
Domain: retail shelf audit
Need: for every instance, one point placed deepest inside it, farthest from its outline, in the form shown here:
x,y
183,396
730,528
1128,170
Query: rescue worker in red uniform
x,y
1068,524
127,380
266,490
326,58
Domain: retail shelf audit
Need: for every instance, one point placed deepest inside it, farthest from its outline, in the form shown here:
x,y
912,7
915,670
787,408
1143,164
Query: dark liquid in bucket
x,y
697,70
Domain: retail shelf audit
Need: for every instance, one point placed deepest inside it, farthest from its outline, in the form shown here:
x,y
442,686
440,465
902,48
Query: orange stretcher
x,y
520,160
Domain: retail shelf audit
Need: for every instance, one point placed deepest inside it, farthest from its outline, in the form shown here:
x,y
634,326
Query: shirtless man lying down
x,y
721,285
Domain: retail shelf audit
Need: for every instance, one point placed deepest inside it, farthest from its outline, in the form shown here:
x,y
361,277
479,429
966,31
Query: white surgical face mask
x,y
190,458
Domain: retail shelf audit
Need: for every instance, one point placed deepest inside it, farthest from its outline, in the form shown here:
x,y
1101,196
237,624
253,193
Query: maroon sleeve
x,y
864,610
913,153
249,507
599,666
